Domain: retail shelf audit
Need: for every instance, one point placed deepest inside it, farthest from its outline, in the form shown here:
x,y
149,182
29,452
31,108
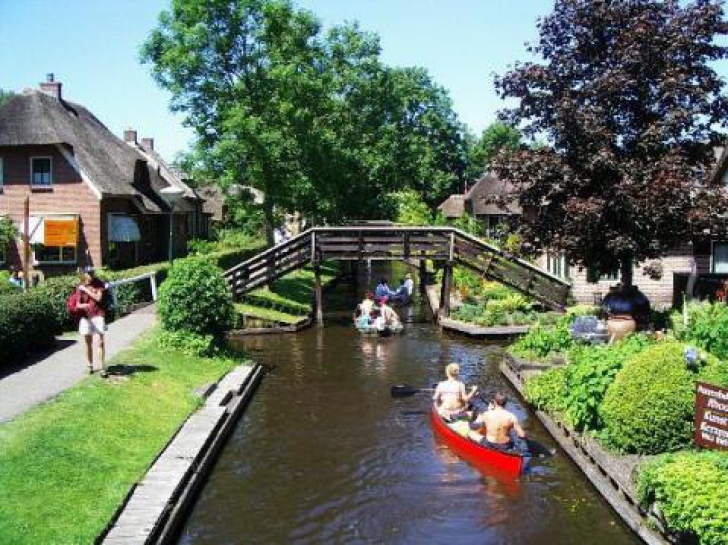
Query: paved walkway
x,y
64,368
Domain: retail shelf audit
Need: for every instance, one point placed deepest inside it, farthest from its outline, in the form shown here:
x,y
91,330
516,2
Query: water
x,y
324,455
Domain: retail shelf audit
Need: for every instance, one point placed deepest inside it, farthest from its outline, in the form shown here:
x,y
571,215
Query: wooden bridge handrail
x,y
382,240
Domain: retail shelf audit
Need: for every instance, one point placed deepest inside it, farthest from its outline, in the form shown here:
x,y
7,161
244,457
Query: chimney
x,y
130,136
148,144
51,87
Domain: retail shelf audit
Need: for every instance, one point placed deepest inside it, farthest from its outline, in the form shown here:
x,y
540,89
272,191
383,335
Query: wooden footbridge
x,y
445,245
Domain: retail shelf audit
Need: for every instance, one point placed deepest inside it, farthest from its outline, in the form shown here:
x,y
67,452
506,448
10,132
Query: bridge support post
x,y
445,292
423,276
318,295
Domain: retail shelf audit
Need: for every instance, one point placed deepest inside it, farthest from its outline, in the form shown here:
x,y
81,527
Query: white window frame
x,y
558,265
60,248
41,186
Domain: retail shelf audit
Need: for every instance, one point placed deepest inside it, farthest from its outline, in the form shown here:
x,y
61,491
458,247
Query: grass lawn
x,y
291,298
65,466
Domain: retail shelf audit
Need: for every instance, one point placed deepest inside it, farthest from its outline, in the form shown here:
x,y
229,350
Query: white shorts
x,y
92,326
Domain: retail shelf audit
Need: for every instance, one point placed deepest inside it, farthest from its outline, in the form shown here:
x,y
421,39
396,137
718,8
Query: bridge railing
x,y
442,244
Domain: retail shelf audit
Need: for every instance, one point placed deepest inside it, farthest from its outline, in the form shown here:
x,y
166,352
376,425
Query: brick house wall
x,y
660,292
67,194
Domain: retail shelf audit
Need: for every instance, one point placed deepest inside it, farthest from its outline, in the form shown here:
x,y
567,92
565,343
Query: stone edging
x,y
156,507
610,474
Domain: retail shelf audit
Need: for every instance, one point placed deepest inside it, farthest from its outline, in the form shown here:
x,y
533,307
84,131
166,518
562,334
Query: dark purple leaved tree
x,y
628,100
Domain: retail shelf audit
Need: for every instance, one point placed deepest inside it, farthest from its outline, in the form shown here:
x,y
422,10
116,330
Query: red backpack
x,y
72,305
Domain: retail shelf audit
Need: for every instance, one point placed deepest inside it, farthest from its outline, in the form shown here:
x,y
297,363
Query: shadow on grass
x,y
128,370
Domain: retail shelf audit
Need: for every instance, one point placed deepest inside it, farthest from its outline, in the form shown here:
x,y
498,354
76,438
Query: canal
x,y
324,455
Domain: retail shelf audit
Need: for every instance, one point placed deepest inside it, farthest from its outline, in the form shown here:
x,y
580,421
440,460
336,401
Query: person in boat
x,y
365,311
451,397
498,423
382,290
387,315
404,292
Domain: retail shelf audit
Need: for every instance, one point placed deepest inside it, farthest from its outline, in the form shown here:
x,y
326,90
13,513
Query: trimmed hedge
x,y
691,492
28,322
648,409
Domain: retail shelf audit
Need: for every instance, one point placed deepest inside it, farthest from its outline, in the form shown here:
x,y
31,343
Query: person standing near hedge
x,y
93,321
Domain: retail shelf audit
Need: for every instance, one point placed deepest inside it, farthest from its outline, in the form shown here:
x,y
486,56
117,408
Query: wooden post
x,y
423,276
26,243
319,295
445,292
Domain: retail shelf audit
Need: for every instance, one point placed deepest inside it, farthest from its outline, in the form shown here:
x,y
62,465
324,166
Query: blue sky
x,y
92,47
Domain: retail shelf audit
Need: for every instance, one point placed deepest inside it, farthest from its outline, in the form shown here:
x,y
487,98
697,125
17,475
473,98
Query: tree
x,y
630,105
316,122
496,136
5,96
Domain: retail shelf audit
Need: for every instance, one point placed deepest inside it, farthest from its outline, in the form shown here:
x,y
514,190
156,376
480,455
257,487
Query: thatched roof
x,y
112,167
214,204
453,206
492,196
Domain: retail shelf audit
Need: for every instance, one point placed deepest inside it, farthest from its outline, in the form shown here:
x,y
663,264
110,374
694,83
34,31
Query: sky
x,y
92,47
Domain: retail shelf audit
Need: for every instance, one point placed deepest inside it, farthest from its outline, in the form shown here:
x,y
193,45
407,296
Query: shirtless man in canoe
x,y
498,423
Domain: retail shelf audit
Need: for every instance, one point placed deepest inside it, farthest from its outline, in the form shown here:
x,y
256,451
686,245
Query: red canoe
x,y
507,462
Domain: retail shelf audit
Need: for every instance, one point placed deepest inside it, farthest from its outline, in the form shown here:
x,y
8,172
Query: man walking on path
x,y
93,322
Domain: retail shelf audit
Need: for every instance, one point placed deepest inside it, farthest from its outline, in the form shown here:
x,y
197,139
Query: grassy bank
x,y
66,466
291,298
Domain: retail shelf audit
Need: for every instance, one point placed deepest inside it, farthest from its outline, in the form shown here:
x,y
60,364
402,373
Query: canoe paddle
x,y
405,390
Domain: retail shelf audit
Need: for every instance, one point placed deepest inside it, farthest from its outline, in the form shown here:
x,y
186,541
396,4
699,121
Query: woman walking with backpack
x,y
92,310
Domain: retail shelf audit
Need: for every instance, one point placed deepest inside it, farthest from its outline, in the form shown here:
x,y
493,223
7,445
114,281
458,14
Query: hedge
x,y
648,409
28,322
690,490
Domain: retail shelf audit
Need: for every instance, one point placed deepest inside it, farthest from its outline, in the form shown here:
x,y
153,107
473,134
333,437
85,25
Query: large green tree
x,y
482,151
629,101
313,120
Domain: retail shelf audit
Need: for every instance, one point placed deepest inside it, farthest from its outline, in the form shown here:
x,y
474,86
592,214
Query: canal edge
x,y
156,507
600,475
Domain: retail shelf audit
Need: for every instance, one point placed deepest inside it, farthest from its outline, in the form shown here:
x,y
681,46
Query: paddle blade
x,y
539,450
403,390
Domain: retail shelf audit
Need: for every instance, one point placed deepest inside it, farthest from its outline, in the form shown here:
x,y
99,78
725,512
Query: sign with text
x,y
60,232
711,416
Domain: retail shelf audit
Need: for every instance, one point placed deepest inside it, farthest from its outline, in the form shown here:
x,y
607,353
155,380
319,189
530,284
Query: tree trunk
x,y
269,222
625,269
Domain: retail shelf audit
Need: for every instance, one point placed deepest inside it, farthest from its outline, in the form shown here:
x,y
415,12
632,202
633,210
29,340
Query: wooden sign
x,y
711,416
60,232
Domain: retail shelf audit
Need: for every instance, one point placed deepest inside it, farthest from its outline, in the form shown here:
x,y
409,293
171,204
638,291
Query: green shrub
x,y
590,372
708,328
56,291
648,409
195,298
546,391
192,344
691,491
28,322
542,341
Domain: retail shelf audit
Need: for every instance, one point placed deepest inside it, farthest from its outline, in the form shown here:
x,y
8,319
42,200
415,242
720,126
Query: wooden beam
x,y
445,292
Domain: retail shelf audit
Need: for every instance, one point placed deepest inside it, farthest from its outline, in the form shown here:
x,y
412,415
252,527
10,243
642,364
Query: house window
x,y
2,174
592,276
558,265
55,254
3,257
41,171
720,257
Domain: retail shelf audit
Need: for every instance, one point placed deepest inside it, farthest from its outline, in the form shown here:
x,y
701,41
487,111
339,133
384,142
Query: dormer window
x,y
41,171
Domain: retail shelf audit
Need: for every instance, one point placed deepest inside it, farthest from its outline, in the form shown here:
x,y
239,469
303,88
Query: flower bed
x,y
637,397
